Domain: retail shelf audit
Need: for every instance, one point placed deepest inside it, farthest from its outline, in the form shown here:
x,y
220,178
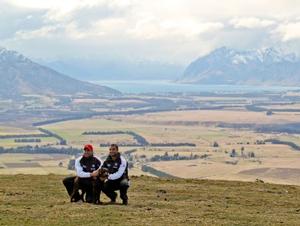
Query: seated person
x,y
87,169
118,175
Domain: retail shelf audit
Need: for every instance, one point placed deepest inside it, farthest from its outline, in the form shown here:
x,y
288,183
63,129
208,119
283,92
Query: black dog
x,y
102,176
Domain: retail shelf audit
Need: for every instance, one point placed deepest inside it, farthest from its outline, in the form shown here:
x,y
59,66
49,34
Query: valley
x,y
207,136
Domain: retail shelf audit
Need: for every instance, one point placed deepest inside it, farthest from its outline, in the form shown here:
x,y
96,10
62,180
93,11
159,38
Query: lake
x,y
164,86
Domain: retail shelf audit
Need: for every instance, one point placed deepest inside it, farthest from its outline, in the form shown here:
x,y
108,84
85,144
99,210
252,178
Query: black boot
x,y
113,197
125,202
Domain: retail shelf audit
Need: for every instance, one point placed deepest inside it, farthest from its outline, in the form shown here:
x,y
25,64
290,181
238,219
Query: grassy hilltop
x,y
42,200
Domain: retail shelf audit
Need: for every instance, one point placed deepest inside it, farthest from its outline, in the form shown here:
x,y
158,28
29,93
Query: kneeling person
x,y
87,169
118,175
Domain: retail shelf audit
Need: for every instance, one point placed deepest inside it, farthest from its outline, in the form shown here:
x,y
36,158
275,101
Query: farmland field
x,y
220,143
40,164
227,116
279,161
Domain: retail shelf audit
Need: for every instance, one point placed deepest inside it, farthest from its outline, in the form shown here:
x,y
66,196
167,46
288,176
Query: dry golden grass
x,y
283,165
47,163
11,130
227,116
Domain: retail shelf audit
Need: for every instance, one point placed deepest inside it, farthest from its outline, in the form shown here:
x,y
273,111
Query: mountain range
x,y
19,75
267,66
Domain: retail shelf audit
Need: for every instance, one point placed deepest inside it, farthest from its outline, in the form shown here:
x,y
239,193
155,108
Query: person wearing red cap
x,y
87,167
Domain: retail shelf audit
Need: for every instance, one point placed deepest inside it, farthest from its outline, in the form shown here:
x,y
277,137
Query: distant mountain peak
x,y
275,54
265,53
12,56
226,65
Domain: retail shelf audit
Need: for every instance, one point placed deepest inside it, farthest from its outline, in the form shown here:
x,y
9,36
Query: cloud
x,y
16,18
251,22
288,31
153,28
169,30
43,32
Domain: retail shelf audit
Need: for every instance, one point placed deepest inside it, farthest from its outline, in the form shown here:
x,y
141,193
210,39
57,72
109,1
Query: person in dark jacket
x,y
87,169
118,175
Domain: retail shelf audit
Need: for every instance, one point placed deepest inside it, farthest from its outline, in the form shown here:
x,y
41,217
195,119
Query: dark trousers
x,y
110,186
86,186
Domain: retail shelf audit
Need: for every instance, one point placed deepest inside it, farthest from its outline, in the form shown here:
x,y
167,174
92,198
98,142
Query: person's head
x,y
113,150
88,150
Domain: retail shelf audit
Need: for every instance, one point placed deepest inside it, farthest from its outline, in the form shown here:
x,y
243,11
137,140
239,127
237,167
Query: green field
x,y
42,200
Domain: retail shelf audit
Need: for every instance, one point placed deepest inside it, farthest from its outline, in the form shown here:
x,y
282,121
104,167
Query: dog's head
x,y
103,173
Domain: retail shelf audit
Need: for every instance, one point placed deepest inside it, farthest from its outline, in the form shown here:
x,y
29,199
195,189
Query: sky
x,y
170,31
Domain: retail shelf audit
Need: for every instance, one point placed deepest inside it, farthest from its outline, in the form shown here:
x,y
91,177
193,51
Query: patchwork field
x,y
155,133
205,150
41,164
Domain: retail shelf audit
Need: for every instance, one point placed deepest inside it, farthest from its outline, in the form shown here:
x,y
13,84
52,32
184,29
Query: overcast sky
x,y
173,31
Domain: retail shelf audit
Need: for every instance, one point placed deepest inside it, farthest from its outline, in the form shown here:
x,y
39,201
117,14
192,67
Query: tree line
x,y
62,141
41,150
16,136
289,143
176,156
31,140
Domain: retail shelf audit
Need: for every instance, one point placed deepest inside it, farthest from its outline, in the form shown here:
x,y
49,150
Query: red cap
x,y
88,147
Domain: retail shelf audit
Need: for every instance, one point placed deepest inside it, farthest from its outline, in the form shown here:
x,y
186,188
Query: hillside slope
x,y
19,75
42,200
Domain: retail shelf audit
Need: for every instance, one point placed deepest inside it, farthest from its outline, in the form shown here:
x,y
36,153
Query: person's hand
x,y
94,173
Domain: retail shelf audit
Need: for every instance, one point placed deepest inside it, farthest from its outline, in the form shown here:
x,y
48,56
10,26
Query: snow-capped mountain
x,y
10,56
267,66
19,75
